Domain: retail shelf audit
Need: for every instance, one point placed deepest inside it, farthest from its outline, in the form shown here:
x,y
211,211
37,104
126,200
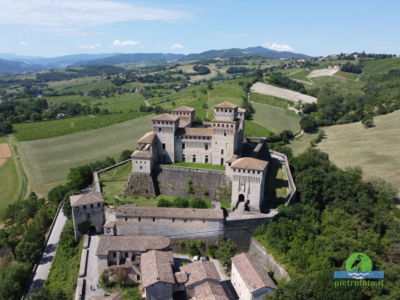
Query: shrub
x,y
198,203
181,202
126,154
164,203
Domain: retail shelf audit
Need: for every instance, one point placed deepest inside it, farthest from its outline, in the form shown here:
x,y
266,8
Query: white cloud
x,y
278,47
81,13
118,43
177,46
23,43
93,46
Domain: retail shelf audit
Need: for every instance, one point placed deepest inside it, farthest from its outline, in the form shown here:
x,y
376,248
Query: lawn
x,y
253,129
49,160
275,118
380,66
302,143
347,75
270,100
301,75
9,184
277,185
55,128
375,150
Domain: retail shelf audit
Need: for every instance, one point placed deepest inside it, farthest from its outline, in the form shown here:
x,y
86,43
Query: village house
x,y
248,278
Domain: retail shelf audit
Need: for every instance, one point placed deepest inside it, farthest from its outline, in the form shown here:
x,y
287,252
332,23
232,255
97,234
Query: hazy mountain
x,y
133,58
237,52
54,62
9,66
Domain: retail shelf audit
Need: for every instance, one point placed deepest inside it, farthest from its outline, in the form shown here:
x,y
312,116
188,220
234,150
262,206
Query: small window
x,y
206,159
159,129
154,219
114,254
206,146
163,146
139,219
183,145
126,254
84,207
98,204
224,133
183,157
222,151
126,219
185,220
173,219
194,158
91,205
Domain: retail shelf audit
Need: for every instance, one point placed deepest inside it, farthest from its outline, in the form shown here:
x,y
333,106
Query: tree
x,y
181,202
198,203
13,281
308,124
164,203
246,104
56,194
126,154
5,128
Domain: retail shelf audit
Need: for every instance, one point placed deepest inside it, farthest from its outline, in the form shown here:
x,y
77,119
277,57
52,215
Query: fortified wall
x,y
182,181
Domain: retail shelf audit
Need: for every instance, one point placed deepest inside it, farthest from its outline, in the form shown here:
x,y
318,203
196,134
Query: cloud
x,y
230,36
23,43
177,46
278,47
81,13
118,43
93,46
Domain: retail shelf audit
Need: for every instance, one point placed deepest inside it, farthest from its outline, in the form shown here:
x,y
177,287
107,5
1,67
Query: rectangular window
x,y
206,146
183,145
222,151
163,146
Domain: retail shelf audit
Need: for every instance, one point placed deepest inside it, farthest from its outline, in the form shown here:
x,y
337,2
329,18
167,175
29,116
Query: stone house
x,y
248,278
157,276
126,250
88,208
166,221
201,281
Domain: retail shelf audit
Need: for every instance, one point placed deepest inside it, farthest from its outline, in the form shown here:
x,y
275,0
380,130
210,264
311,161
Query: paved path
x,y
92,276
42,272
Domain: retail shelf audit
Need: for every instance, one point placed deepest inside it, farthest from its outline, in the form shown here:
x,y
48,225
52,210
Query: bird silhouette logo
x,y
358,262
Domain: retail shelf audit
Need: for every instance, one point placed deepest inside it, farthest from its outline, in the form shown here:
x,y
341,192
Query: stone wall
x,y
267,261
140,184
192,182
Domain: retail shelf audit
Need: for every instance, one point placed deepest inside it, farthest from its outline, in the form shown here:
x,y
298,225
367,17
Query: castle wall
x,y
174,228
192,182
91,212
140,184
200,147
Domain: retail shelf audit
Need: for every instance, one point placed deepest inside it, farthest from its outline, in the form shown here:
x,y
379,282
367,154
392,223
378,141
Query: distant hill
x,y
31,63
251,51
132,59
9,66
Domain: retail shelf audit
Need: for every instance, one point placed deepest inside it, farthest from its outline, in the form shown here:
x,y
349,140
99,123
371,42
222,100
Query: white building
x,y
248,278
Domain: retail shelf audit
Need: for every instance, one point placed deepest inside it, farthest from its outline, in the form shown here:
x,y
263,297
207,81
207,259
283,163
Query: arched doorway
x,y
241,198
92,230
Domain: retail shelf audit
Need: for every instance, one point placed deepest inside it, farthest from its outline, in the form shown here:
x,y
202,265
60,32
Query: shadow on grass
x,y
273,184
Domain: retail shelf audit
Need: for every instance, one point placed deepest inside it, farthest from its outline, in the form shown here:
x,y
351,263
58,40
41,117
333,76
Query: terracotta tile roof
x,y
141,243
141,154
209,290
183,123
252,273
85,199
169,212
250,163
184,108
148,138
232,158
241,110
156,266
226,105
223,121
198,131
203,281
165,117
200,270
181,277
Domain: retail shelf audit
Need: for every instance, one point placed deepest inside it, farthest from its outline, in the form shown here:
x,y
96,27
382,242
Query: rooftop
x,y
198,131
252,273
141,243
226,105
250,163
200,270
85,199
169,212
184,108
156,266
165,117
141,154
148,138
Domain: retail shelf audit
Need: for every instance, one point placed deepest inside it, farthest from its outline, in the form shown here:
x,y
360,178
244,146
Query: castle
x,y
177,137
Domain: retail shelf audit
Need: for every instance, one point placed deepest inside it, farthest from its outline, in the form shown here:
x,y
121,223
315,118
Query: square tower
x,y
165,126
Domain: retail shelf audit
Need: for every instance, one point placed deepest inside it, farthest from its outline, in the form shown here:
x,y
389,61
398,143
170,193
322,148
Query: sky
x,y
62,27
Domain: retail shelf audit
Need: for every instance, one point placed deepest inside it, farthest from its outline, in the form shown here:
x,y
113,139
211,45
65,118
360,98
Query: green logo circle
x,y
359,262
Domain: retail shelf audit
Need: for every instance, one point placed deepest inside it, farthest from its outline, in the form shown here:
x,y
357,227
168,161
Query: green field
x,y
375,150
270,100
380,66
49,160
199,165
347,75
55,128
9,184
276,119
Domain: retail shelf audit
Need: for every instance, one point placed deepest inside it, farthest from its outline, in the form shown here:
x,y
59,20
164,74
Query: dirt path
x,y
5,151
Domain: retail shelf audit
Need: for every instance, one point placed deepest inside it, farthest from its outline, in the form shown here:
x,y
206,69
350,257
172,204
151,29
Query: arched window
x,y
206,159
183,157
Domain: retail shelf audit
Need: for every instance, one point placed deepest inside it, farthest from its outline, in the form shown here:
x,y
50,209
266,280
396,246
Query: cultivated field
x,y
323,72
375,150
49,160
275,118
9,180
268,89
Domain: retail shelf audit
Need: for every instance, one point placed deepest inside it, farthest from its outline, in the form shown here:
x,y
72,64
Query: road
x,y
42,272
